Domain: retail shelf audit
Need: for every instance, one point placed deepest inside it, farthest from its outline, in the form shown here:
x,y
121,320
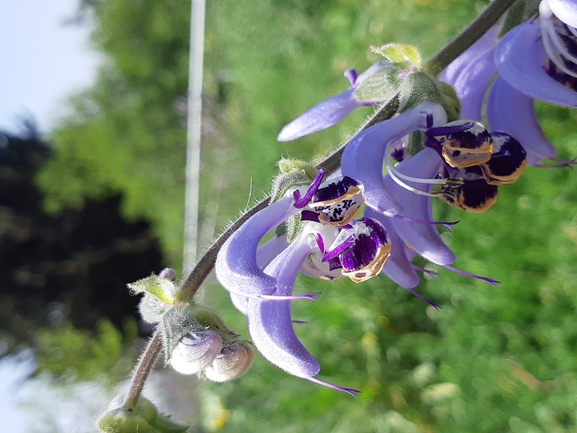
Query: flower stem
x,y
142,370
468,36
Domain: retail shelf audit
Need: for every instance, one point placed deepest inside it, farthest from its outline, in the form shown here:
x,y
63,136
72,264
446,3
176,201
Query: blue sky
x,y
43,61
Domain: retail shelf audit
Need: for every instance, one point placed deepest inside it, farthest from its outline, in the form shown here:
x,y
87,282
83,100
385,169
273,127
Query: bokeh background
x,y
97,202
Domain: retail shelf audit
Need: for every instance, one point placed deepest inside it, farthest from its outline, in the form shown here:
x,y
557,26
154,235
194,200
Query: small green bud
x,y
292,173
419,87
162,288
144,418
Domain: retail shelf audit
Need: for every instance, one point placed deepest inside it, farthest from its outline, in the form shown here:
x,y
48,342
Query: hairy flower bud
x,y
195,351
144,418
231,363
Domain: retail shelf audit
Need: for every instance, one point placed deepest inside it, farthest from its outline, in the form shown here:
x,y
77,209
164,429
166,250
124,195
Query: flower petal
x,y
484,43
236,264
363,157
565,10
520,56
513,112
269,322
472,84
421,237
398,267
321,116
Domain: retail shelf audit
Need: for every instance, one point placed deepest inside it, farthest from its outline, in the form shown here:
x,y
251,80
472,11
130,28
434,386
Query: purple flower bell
x,y
534,61
402,200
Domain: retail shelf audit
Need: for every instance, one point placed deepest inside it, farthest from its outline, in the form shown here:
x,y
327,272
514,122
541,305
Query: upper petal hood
x,y
364,155
269,321
236,264
472,84
520,56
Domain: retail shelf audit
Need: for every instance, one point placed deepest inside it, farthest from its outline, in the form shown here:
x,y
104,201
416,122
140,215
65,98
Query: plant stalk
x,y
468,36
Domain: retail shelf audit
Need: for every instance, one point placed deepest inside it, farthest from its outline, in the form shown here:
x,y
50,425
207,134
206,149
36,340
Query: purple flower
x,y
261,279
402,200
336,108
535,60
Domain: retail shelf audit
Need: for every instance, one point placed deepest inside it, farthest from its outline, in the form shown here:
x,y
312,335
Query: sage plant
x,y
366,211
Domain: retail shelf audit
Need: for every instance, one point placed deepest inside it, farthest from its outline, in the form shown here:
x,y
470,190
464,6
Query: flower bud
x,y
232,362
161,287
195,351
144,418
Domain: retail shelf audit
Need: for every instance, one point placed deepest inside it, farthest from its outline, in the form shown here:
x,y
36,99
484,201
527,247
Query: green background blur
x,y
491,360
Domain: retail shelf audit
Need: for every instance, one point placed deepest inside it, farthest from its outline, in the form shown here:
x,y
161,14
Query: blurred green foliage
x,y
491,360
72,354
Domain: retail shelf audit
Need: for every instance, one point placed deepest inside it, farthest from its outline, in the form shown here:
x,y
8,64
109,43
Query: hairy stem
x,y
468,36
143,368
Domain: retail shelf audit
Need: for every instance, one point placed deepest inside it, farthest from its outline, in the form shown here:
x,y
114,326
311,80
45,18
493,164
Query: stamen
x,y
548,34
309,296
396,174
560,163
302,202
557,41
573,30
410,188
491,281
349,391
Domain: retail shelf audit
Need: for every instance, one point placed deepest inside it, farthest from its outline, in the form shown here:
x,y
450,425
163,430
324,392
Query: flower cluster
x,y
535,60
329,243
432,148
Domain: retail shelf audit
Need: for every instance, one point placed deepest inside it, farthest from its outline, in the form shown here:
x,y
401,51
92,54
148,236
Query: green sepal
x,y
451,102
175,324
144,418
294,227
419,87
162,288
210,320
378,84
292,173
416,88
402,56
